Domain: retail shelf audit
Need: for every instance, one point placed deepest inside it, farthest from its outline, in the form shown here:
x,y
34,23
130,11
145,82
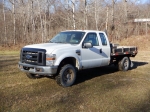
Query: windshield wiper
x,y
51,41
60,42
54,42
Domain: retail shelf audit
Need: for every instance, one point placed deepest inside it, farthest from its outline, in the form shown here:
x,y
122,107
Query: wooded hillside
x,y
35,21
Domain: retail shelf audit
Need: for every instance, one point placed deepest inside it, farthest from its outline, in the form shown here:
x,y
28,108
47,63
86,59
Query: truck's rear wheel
x,y
66,76
33,76
124,64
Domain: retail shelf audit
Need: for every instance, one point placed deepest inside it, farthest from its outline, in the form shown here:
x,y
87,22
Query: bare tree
x,y
125,20
96,14
41,21
113,3
73,13
5,36
33,21
85,15
107,16
14,21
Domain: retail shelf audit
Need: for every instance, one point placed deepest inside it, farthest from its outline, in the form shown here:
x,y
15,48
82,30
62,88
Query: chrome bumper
x,y
40,70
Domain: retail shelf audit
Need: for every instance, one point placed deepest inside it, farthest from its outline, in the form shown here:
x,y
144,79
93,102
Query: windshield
x,y
72,37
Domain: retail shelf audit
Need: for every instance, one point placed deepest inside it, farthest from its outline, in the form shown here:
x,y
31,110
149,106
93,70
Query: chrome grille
x,y
33,56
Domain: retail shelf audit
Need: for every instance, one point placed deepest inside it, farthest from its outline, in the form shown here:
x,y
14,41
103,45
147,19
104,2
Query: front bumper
x,y
40,70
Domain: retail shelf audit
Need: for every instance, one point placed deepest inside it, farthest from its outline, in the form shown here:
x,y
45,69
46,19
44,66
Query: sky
x,y
144,1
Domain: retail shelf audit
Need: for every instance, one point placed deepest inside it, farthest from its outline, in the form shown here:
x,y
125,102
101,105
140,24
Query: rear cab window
x,y
103,39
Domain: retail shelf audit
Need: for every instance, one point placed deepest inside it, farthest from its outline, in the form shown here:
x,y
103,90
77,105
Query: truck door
x,y
105,49
91,57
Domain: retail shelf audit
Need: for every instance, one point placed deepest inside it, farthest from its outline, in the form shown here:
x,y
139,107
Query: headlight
x,y
50,59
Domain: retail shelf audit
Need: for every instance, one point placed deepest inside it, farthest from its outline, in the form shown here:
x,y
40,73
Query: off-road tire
x,y
66,76
124,64
33,76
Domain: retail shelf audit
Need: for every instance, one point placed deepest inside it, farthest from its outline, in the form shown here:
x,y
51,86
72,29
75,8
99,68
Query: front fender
x,y
67,55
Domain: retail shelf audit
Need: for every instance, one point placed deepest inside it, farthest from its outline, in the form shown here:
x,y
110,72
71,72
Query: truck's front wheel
x,y
66,76
124,64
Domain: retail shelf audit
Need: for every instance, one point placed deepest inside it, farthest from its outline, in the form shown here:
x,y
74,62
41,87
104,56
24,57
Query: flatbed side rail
x,y
124,50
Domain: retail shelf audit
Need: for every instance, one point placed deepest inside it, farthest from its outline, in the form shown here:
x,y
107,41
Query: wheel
x,y
66,76
33,76
124,64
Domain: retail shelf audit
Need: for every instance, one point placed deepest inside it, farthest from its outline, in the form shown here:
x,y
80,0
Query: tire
x,y
33,76
124,64
66,76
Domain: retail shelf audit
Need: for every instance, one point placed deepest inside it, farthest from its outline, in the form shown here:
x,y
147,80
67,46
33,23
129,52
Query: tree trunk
x,y
107,19
85,15
41,21
5,36
73,14
125,19
32,32
45,27
14,22
96,21
112,26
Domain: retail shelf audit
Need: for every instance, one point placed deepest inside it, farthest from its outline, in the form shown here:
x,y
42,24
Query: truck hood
x,y
49,47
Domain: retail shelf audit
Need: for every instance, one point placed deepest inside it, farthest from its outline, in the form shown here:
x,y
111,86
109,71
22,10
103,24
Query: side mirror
x,y
87,45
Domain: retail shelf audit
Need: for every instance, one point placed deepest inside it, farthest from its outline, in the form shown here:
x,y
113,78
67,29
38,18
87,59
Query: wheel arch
x,y
67,59
120,57
70,60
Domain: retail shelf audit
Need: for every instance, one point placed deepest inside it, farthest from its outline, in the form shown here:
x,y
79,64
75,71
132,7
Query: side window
x,y
103,39
92,38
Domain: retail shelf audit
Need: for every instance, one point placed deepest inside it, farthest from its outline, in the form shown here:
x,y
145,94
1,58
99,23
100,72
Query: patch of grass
x,y
99,89
142,42
9,53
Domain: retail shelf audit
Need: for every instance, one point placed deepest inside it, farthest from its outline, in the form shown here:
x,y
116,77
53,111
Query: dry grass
x,y
100,89
10,53
142,42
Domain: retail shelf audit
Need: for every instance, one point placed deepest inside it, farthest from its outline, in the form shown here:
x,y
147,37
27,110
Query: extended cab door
x,y
105,49
91,57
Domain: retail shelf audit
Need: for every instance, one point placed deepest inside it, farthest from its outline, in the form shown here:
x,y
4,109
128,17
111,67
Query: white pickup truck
x,y
71,51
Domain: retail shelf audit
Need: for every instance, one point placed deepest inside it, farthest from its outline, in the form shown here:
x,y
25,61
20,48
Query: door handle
x,y
78,52
100,51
